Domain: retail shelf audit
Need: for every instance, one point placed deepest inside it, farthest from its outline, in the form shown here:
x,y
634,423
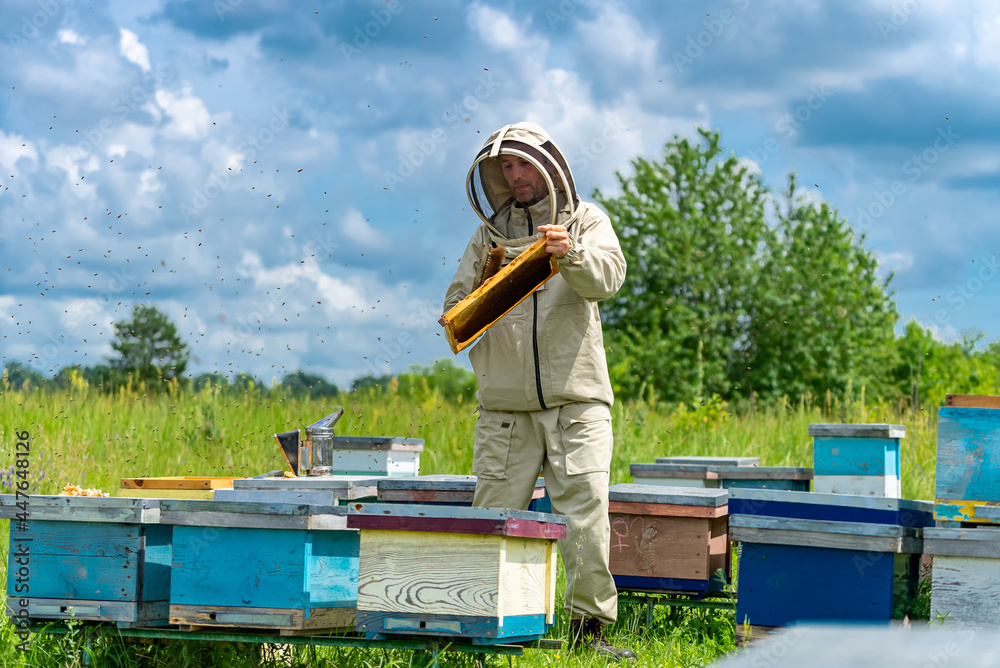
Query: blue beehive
x,y
967,485
88,558
829,557
261,565
857,458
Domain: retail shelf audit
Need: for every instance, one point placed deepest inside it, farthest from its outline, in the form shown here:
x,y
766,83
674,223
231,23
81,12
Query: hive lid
x,y
377,443
681,496
62,508
840,507
252,515
710,461
345,486
720,472
437,482
455,519
835,430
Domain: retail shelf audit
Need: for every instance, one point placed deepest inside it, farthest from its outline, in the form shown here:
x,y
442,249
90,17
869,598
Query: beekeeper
x,y
544,391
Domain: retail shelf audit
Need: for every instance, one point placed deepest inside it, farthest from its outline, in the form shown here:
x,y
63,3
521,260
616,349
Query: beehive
x,y
668,539
828,557
89,558
967,484
483,574
286,567
857,458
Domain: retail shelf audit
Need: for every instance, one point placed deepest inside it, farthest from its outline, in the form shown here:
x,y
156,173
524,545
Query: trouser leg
x,y
507,460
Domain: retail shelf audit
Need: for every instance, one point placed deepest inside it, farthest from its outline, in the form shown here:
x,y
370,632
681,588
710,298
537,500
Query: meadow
x,y
92,439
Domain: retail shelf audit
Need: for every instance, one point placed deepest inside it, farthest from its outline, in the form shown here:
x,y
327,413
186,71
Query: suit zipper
x,y
534,328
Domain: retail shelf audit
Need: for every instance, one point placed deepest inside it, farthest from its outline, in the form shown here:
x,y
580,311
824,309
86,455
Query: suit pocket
x,y
587,437
493,434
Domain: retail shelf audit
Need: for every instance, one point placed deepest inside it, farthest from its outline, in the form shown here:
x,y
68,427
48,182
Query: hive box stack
x,y
711,475
286,567
485,575
966,559
857,458
89,558
668,539
323,490
448,490
824,557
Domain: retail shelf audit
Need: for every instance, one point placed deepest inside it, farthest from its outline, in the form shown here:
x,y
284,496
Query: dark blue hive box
x,y
824,557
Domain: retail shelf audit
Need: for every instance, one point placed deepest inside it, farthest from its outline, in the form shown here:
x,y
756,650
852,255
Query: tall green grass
x,y
93,439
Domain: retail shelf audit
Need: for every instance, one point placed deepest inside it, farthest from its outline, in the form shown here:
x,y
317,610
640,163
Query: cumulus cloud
x,y
189,117
133,50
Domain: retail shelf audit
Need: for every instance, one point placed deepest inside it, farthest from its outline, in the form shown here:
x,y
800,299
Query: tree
x,y
300,383
148,347
19,376
693,231
824,317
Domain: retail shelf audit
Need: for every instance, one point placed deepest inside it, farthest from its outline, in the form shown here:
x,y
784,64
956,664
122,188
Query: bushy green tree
x,y
692,227
300,383
823,317
148,347
20,376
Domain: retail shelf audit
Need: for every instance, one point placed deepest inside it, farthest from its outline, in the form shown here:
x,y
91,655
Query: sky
x,y
285,178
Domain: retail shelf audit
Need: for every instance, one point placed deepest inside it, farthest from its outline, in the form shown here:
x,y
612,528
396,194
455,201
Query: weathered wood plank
x,y
860,485
82,539
837,430
79,577
455,519
88,610
980,512
966,589
958,542
198,494
749,497
250,515
445,489
825,534
972,400
83,508
285,619
313,497
344,487
710,461
834,507
523,582
637,493
641,470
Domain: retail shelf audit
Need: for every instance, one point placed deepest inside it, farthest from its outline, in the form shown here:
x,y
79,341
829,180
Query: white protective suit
x,y
544,390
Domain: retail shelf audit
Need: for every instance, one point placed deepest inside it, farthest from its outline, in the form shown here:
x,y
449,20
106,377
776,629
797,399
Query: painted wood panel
x,y
178,482
972,400
666,510
967,590
298,497
825,534
968,454
344,487
833,507
482,630
524,578
415,572
665,547
963,542
783,584
767,483
696,483
83,509
861,485
455,519
856,456
720,472
341,618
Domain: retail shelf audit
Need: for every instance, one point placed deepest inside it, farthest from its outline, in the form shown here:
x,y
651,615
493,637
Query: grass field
x,y
91,439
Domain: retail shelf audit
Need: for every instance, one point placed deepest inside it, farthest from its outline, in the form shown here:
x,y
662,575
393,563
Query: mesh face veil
x,y
486,186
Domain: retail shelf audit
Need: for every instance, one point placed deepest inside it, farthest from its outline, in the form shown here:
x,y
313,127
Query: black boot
x,y
589,634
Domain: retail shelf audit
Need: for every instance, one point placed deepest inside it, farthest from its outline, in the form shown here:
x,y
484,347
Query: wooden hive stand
x,y
485,575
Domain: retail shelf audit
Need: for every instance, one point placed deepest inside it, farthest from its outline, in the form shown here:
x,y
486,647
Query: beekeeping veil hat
x,y
487,188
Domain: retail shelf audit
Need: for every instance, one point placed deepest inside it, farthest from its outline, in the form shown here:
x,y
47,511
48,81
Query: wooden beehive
x,y
857,458
174,487
668,539
472,316
451,490
965,584
276,566
857,562
711,476
483,574
967,484
331,490
89,558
